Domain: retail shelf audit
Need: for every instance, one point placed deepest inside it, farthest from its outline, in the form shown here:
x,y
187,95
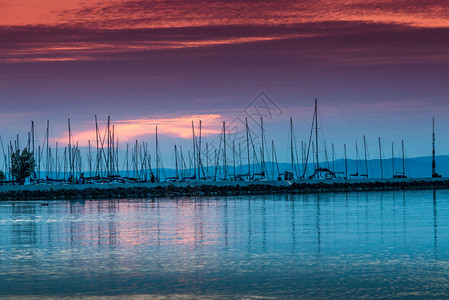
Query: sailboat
x,y
357,158
434,173
400,174
319,172
247,175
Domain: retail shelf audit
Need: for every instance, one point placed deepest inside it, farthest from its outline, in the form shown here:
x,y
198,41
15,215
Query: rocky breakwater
x,y
300,187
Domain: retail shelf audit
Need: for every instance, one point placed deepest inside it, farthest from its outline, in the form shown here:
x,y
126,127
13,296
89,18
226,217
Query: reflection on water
x,y
377,244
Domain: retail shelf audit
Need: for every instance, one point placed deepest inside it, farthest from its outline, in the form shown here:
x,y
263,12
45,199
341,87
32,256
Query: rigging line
x,y
275,158
218,155
296,165
369,159
308,147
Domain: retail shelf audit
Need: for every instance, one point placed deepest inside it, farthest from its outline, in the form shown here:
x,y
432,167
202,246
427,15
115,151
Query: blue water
x,y
375,245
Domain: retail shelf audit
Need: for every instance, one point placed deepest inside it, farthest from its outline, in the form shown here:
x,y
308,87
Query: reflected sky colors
x,y
391,244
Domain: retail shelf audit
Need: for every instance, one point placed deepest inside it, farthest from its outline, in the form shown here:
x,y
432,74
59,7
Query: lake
x,y
370,244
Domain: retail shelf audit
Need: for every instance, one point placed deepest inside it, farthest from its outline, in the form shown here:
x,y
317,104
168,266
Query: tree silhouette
x,y
22,165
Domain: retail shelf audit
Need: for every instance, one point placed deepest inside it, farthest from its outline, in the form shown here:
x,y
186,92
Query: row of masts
x,y
201,162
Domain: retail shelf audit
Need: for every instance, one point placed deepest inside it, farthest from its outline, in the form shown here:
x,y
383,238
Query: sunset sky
x,y
379,68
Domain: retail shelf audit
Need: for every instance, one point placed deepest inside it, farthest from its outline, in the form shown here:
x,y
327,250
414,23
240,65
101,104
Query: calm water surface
x,y
381,245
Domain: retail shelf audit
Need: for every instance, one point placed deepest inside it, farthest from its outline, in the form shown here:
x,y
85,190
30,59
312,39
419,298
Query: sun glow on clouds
x,y
130,130
174,13
100,51
77,30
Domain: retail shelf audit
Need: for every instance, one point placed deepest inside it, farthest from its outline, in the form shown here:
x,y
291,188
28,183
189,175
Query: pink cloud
x,y
82,51
130,130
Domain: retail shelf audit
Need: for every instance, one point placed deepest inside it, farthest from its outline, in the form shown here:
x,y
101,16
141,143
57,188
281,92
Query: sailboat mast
x,y
176,163
207,160
366,157
216,158
276,160
272,158
333,158
127,160
57,162
157,156
380,159
292,158
224,149
109,147
262,161
136,163
47,151
233,156
247,146
32,138
326,158
97,167
65,162
403,159
116,158
89,160
316,132
113,147
194,151
302,154
357,157
433,147
199,155
392,157
346,165
70,151
240,158
182,162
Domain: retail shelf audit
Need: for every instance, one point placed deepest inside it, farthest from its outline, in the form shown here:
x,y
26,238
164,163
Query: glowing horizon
x,y
135,129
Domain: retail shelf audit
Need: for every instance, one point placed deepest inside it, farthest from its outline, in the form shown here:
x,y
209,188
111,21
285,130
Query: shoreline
x,y
224,188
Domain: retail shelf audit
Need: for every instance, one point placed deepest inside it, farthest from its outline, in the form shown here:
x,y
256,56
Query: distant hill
x,y
414,167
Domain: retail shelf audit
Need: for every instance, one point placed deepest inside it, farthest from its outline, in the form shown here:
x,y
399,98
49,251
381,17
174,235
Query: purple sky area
x,y
379,68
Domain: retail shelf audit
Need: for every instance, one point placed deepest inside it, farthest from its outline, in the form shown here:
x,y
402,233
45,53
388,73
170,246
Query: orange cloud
x,y
31,12
172,13
77,51
130,130
121,14
78,30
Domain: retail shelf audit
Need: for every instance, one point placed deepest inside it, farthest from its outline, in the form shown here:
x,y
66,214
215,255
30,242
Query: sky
x,y
377,68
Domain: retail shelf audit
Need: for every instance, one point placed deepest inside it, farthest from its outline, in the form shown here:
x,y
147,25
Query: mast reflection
x,y
435,225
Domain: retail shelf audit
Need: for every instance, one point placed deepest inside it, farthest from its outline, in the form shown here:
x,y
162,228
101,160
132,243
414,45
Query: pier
x,y
223,188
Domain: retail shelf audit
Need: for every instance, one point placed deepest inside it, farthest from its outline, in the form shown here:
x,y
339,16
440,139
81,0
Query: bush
x,y
22,165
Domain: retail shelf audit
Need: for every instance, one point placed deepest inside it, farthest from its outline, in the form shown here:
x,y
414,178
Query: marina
x,y
235,160
224,150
